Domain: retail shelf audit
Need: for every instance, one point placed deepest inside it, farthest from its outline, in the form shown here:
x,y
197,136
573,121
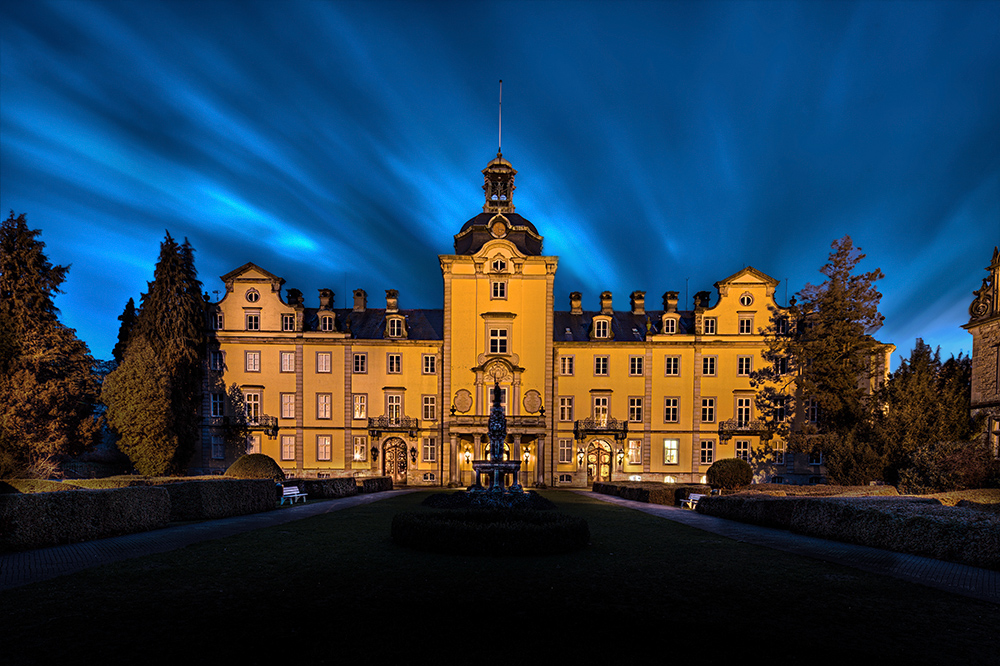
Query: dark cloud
x,y
659,145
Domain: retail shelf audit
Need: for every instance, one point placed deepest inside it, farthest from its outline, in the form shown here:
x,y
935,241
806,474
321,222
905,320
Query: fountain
x,y
496,468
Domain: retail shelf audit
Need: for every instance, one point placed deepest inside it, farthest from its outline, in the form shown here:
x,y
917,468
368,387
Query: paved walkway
x,y
969,581
22,568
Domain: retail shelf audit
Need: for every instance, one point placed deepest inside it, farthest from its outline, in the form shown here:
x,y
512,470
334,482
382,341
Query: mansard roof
x,y
625,326
370,324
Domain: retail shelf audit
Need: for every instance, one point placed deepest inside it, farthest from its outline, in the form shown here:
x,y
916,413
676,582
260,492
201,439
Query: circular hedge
x,y
490,531
255,466
730,473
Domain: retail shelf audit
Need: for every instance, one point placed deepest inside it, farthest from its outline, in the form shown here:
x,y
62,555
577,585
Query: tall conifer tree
x,y
154,397
47,390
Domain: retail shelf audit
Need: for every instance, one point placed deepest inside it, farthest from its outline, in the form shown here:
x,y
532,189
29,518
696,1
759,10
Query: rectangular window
x,y
498,340
218,321
635,366
360,363
360,406
324,447
395,328
670,326
566,408
815,457
565,451
324,362
708,410
744,410
394,364
216,360
503,398
287,322
671,451
781,365
601,328
326,323
746,325
709,325
251,400
601,365
781,409
430,449
707,451
566,365
708,366
253,321
779,453
743,449
430,408
288,405
601,409
253,444
635,410
635,452
498,289
744,365
252,361
673,366
218,404
394,408
287,359
288,447
324,405
671,410
430,364
360,448
812,411
218,447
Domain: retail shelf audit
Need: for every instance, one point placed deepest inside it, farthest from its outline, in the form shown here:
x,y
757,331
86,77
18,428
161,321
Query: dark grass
x,y
334,588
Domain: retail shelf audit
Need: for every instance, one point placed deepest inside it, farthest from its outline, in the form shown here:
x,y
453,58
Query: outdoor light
x,y
620,455
468,456
413,454
579,457
374,453
527,455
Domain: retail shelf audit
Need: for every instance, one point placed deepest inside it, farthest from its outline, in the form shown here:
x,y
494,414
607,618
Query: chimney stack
x,y
391,300
575,303
360,300
670,301
638,299
325,298
606,303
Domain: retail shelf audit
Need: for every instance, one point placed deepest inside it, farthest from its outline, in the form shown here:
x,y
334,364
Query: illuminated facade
x,y
984,325
656,394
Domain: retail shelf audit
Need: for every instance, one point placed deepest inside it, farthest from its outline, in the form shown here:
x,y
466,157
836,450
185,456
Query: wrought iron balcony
x,y
600,426
733,427
379,424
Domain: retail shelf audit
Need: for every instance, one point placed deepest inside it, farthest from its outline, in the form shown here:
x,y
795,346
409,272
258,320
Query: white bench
x,y
691,502
291,493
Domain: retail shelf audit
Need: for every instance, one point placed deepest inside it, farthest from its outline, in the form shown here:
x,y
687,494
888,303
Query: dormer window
x,y
395,327
669,325
602,328
326,323
499,265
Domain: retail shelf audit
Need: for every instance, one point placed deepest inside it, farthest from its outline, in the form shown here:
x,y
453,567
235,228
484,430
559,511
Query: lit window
x,y
218,404
394,364
601,410
288,447
253,321
671,451
324,447
635,365
746,325
600,365
708,366
743,366
673,366
360,363
287,361
251,400
708,410
707,452
430,408
287,322
323,362
252,361
430,364
635,452
566,408
601,328
326,323
709,325
324,405
498,340
743,449
394,408
360,448
360,406
498,289
635,410
566,365
288,405
671,410
565,451
429,449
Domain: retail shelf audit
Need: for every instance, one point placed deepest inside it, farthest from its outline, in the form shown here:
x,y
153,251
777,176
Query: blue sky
x,y
659,145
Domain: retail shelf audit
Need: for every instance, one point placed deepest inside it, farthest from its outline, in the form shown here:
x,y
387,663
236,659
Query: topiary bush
x,y
730,473
255,466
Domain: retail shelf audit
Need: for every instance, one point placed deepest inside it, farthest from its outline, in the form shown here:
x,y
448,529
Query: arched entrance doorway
x,y
598,461
394,460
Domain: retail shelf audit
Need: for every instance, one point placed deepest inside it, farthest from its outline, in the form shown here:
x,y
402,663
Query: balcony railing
x,y
379,424
600,426
734,427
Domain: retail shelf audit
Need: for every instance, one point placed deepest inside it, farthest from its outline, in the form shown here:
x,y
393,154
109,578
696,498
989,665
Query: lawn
x,y
335,588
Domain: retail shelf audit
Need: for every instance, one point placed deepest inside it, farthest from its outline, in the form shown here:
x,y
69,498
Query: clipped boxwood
x,y
376,484
652,492
327,488
490,532
33,486
219,498
39,520
730,473
255,466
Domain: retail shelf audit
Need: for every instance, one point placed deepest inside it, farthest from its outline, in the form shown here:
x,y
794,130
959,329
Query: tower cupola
x,y
498,185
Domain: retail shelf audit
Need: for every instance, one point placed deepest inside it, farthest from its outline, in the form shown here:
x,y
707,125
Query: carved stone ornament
x,y
983,305
532,401
497,371
463,400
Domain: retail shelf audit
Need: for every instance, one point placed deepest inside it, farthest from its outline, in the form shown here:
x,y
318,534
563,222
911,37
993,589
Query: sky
x,y
659,145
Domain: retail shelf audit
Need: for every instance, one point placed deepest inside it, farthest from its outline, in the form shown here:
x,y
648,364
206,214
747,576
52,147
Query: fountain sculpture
x,y
496,468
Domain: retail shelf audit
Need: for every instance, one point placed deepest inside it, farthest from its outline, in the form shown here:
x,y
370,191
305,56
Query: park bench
x,y
291,493
691,502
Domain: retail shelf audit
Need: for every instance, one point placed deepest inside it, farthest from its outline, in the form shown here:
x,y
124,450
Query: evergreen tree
x,y
127,319
825,338
154,397
47,390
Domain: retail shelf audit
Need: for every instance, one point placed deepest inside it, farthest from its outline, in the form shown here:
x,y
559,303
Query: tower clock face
x,y
498,229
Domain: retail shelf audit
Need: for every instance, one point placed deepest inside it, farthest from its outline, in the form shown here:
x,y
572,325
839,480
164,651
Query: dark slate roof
x,y
625,326
476,232
370,324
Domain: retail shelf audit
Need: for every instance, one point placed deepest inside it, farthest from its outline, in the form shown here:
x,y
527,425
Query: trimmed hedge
x,y
33,486
219,498
39,520
376,484
326,488
490,532
667,494
919,526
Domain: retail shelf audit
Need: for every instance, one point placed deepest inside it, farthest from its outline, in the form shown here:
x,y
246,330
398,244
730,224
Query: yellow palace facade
x,y
599,393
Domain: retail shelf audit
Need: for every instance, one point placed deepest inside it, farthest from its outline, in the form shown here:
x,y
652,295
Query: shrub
x,y
219,498
255,466
376,484
949,466
490,532
33,486
730,473
328,488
